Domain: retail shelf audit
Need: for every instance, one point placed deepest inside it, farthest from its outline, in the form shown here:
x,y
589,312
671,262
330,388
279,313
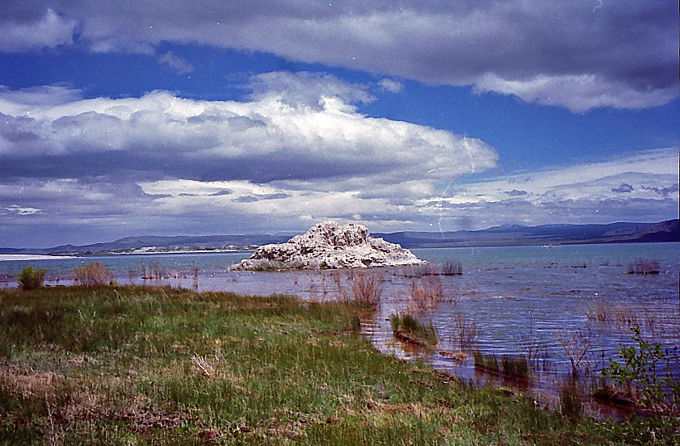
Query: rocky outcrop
x,y
330,245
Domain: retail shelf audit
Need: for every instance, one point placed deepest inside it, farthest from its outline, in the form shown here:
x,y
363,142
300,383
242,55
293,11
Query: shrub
x,y
639,376
640,379
92,274
31,278
576,345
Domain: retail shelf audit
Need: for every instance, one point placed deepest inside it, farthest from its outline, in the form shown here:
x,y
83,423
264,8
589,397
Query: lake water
x,y
522,300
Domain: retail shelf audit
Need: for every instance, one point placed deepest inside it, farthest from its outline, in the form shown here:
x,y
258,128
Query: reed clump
x,y
426,293
644,267
450,268
366,288
92,274
407,328
606,313
464,332
508,365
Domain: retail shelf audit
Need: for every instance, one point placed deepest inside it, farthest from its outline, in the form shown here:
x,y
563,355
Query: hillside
x,y
507,235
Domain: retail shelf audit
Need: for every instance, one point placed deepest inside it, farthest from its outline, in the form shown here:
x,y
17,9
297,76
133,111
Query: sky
x,y
210,117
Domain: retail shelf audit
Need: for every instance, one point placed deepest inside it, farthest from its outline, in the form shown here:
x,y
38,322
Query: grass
x,y
366,288
508,366
426,293
124,365
407,328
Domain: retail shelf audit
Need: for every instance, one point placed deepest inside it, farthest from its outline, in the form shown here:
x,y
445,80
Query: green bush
x,y
639,376
31,278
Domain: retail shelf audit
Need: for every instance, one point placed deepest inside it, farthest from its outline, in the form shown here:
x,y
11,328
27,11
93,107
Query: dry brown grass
x,y
426,293
366,288
612,314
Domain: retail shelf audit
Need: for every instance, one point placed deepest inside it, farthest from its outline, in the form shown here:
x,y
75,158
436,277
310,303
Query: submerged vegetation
x,y
121,365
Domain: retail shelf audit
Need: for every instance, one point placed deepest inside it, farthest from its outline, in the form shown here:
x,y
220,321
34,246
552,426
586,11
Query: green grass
x,y
508,366
408,329
122,365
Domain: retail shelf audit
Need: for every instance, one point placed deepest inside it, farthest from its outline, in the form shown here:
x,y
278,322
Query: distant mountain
x,y
516,235
507,235
152,243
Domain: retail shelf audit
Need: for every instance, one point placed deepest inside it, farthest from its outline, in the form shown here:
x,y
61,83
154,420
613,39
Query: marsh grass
x,y
450,268
141,365
464,332
425,294
407,328
366,288
644,267
515,367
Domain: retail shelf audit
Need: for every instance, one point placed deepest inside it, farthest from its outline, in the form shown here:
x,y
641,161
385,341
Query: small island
x,y
329,245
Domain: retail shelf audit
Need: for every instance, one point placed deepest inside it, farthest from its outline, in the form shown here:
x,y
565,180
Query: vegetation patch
x,y
508,366
31,278
408,329
142,365
644,267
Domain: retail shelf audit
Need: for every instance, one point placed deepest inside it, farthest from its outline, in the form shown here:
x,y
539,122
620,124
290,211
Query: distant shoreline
x,y
27,257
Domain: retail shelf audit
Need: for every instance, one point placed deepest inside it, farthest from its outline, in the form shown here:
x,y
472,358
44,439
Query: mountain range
x,y
506,235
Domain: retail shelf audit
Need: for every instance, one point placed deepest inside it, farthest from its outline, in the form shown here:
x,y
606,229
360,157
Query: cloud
x,y
295,151
113,206
663,191
22,211
633,188
578,55
48,30
624,188
578,93
178,64
40,95
308,89
304,129
390,85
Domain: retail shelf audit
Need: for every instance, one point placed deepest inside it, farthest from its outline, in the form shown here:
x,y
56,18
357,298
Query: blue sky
x,y
262,116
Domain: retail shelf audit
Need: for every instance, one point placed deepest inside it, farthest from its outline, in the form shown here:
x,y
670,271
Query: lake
x,y
531,301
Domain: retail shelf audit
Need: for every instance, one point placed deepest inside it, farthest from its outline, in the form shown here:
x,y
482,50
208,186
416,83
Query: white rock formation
x,y
330,245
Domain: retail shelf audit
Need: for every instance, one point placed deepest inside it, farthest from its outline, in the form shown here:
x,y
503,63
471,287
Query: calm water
x,y
519,298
